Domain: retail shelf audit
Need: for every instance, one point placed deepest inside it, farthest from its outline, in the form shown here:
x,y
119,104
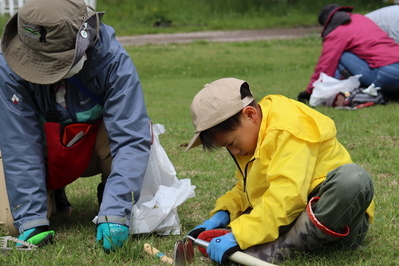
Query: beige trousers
x,y
100,163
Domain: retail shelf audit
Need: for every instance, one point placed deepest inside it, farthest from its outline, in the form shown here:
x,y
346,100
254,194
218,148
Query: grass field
x,y
171,75
130,17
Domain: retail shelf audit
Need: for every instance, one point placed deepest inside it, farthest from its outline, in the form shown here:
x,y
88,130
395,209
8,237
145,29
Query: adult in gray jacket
x,y
387,18
66,83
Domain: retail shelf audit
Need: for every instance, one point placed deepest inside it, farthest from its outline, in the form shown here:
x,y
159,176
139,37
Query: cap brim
x,y
195,141
346,8
31,67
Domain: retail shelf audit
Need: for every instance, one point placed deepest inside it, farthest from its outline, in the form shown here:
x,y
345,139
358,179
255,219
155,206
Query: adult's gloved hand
x,y
219,219
112,235
220,248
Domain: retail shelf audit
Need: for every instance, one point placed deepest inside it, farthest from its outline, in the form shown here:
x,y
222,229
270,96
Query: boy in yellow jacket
x,y
297,187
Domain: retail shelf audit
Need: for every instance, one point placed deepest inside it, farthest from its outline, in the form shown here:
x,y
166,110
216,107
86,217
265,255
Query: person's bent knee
x,y
350,180
351,176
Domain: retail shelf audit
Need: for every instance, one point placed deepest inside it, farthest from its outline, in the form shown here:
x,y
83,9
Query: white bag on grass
x,y
161,194
326,87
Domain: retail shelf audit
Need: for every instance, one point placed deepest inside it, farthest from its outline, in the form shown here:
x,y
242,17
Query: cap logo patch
x,y
32,31
36,33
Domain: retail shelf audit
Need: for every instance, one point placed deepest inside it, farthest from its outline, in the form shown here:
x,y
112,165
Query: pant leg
x,y
345,196
388,80
355,65
6,219
385,77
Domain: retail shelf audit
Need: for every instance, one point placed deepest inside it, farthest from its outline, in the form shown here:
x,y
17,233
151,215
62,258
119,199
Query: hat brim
x,y
345,8
42,67
195,141
83,43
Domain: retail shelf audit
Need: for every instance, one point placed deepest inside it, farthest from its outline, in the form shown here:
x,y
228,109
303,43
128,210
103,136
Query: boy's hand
x,y
220,248
219,219
112,235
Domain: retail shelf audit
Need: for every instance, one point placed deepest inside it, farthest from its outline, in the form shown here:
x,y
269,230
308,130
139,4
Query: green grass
x,y
138,17
171,75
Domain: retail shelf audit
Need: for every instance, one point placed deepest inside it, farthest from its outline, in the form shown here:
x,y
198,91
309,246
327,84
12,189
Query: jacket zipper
x,y
244,174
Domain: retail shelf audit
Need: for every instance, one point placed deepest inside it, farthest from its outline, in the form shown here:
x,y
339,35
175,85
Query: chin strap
x,y
98,19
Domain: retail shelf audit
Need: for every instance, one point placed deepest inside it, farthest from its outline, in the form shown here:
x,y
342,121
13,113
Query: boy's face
x,y
243,140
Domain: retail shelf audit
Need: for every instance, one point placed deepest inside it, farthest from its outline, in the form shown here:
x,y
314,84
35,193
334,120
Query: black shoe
x,y
61,202
100,192
304,97
345,74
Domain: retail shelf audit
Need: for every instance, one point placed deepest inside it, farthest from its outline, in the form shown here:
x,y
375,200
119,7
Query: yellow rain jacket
x,y
296,148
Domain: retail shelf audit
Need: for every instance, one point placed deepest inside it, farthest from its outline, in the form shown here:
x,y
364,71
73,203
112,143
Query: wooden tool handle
x,y
238,256
155,252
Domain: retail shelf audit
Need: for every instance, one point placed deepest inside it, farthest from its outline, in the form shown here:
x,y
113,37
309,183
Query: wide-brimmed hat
x,y
45,39
328,11
215,103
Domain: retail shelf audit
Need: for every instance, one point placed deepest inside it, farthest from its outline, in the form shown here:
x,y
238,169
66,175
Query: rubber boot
x,y
307,235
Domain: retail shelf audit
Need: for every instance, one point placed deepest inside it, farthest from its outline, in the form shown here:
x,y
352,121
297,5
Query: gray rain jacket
x,y
109,73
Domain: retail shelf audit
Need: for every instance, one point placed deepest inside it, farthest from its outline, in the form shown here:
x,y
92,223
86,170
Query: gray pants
x,y
339,202
345,196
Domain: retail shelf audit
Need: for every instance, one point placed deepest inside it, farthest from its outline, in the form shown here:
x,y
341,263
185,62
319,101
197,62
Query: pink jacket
x,y
361,37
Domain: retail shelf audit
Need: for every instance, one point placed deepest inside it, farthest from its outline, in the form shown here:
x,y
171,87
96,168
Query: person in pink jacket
x,y
353,44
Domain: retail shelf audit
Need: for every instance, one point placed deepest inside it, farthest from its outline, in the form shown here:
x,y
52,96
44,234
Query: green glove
x,y
112,235
38,236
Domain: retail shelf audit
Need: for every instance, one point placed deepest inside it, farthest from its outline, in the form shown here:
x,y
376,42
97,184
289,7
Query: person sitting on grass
x,y
354,45
297,188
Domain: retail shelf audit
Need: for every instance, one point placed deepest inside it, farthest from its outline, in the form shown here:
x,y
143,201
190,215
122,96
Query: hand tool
x,y
239,257
6,241
155,252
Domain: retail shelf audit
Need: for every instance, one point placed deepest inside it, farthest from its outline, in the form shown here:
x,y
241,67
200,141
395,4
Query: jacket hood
x,y
296,118
333,15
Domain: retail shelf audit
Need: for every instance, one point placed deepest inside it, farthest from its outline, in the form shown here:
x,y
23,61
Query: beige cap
x,y
215,103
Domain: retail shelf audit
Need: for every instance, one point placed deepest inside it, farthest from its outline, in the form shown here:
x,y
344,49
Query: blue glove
x,y
220,248
220,219
112,235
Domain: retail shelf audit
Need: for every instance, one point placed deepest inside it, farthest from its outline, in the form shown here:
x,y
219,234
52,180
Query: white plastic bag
x,y
326,87
161,193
